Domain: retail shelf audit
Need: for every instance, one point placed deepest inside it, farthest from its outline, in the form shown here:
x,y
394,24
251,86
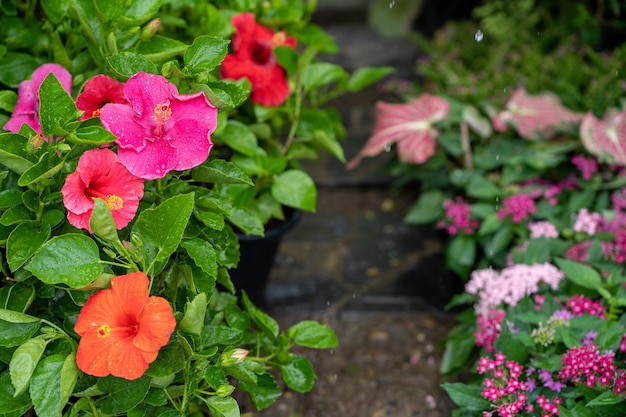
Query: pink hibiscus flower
x,y
27,106
534,117
410,125
160,130
100,174
253,57
605,138
97,92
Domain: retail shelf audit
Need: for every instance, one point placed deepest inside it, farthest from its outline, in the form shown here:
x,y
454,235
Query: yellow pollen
x,y
278,39
162,112
115,202
104,331
95,113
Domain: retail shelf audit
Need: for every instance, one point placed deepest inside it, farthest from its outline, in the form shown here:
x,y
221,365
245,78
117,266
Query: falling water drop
x,y
387,147
478,36
497,157
392,3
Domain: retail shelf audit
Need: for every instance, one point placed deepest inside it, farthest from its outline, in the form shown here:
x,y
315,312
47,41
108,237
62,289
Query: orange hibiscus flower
x,y
123,328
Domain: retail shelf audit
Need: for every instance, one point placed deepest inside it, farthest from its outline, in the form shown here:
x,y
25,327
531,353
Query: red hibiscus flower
x,y
253,57
122,328
97,92
605,138
100,174
534,117
410,125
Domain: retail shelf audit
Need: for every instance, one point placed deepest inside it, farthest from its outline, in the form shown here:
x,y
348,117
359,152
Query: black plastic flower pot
x,y
257,255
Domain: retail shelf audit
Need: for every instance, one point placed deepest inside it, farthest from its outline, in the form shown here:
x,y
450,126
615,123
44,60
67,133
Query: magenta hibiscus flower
x,y
253,57
534,117
605,138
410,125
97,92
27,106
160,130
100,174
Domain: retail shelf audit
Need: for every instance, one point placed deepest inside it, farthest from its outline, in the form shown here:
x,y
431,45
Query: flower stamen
x,y
115,202
103,331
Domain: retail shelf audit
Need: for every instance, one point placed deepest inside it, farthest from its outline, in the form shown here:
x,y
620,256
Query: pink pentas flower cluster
x,y
519,207
579,305
586,365
587,166
510,285
548,190
489,328
542,228
457,218
587,222
504,389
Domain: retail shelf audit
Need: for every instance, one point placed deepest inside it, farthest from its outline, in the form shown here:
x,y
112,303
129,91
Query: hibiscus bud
x,y
233,357
37,141
224,390
150,29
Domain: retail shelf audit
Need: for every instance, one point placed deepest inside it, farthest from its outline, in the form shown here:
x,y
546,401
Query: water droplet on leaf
x,y
478,36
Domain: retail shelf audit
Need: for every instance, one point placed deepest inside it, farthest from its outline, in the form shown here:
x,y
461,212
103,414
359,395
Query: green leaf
x,y
14,334
56,108
10,198
298,374
23,363
295,188
139,12
13,153
461,254
203,254
10,403
466,396
171,359
481,187
16,67
195,310
366,76
92,135
51,385
159,48
161,229
499,241
580,274
124,395
312,334
239,137
128,64
457,353
24,241
219,171
261,320
206,53
427,208
71,259
56,10
222,406
247,221
40,171
319,74
220,335
102,223
264,392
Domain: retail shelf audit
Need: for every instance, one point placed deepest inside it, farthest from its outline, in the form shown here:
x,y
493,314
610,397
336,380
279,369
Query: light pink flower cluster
x,y
457,217
587,166
504,390
518,207
542,229
585,365
489,328
511,285
587,222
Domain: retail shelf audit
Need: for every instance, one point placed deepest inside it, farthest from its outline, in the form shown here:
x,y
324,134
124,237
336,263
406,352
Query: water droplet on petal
x,y
478,36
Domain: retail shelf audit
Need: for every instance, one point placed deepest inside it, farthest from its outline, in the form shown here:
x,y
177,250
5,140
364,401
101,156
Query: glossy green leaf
x,y
52,384
206,53
55,9
466,396
580,274
222,406
102,223
461,254
128,64
13,153
427,208
10,198
366,76
264,392
219,171
220,335
140,11
70,259
40,171
161,229
16,67
56,107
14,334
171,359
239,137
247,221
295,188
159,48
92,135
24,241
312,334
298,374
203,254
17,296
24,361
9,402
124,395
261,320
320,74
195,310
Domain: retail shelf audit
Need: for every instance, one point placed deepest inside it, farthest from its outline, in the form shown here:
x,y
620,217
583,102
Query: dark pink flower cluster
x,y
518,207
504,390
457,218
585,365
489,329
587,166
579,305
548,408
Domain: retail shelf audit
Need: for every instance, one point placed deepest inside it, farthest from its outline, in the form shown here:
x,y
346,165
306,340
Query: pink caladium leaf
x,y
605,138
410,125
534,117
